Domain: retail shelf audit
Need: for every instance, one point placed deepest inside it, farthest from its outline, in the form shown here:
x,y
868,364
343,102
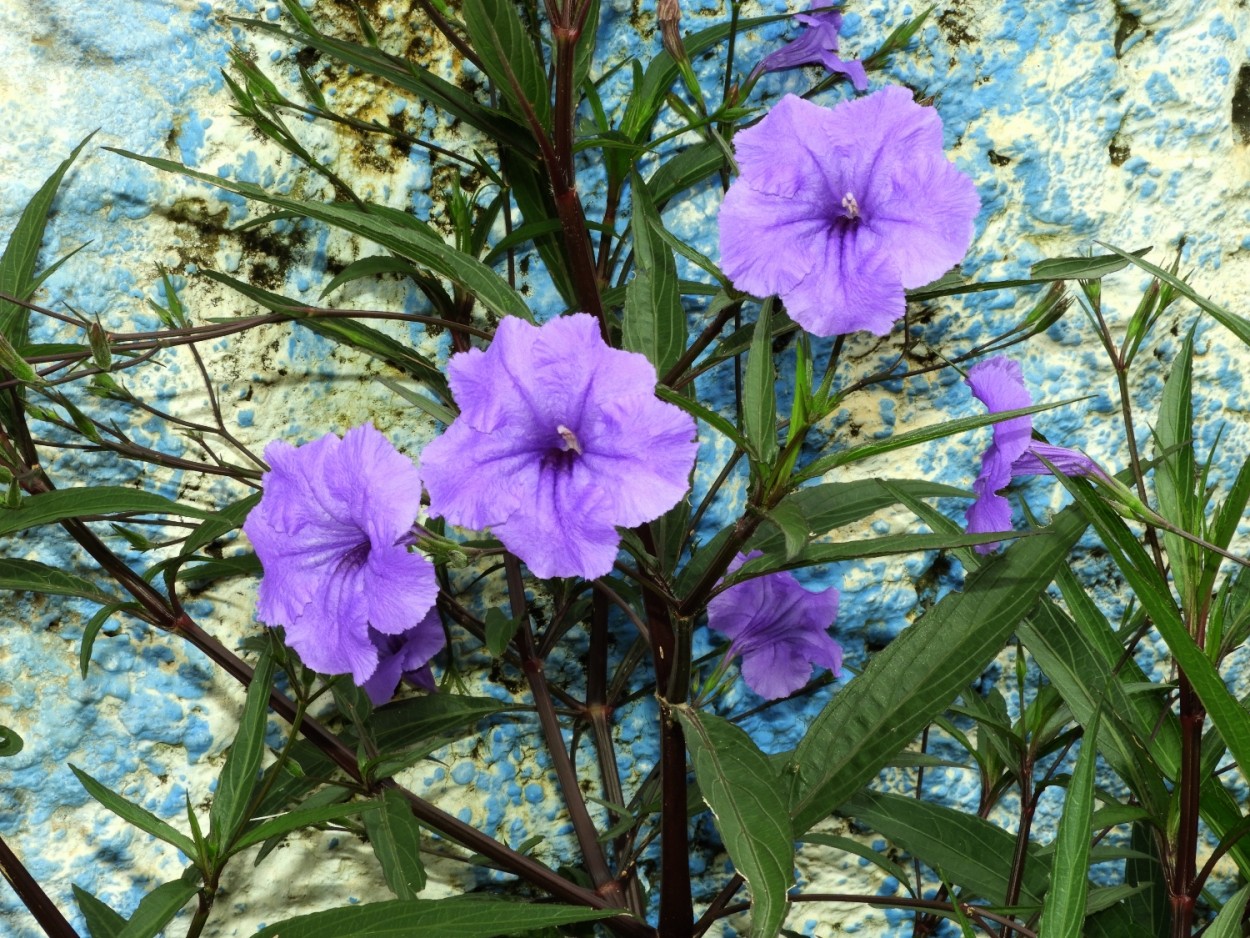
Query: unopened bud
x,y
669,13
100,350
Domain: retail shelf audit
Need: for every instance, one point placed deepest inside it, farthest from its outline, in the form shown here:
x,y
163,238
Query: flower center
x,y
568,440
850,206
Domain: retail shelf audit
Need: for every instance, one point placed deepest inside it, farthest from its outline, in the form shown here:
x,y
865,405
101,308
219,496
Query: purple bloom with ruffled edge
x,y
838,211
405,657
999,384
560,439
332,531
779,628
816,45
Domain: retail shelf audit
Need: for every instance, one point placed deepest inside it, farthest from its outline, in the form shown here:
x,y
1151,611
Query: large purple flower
x,y
838,211
779,628
331,532
817,45
999,384
560,439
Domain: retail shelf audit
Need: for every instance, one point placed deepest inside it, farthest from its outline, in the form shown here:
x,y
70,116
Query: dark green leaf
x,y
699,412
508,55
500,628
396,840
1080,268
431,252
237,782
1175,473
49,507
92,630
220,523
295,820
10,742
368,267
102,921
963,848
436,716
131,813
688,168
759,395
794,527
158,908
654,322
919,673
17,574
456,917
740,786
17,264
1228,923
1064,907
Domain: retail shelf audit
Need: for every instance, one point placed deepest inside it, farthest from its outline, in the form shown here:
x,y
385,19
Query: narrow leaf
x,y
740,786
759,395
1064,907
158,908
396,840
101,920
238,778
18,574
296,820
49,507
132,813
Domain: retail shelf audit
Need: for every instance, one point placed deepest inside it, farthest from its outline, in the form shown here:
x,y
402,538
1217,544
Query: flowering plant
x,y
599,591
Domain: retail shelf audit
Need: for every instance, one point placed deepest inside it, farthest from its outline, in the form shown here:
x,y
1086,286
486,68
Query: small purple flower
x,y
838,211
817,45
405,657
779,628
331,532
999,384
560,439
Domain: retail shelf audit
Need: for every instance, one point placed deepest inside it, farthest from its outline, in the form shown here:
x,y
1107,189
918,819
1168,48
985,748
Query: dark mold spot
x,y
998,159
1126,23
1241,105
1119,150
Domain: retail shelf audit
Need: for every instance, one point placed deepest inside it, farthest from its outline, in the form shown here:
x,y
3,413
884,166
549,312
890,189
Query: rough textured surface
x,y
1126,122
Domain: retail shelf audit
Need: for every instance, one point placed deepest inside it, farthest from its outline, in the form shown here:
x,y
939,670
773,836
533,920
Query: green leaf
x,y
295,820
421,719
1080,268
1228,923
102,921
1064,907
654,321
740,786
132,813
919,673
220,523
688,168
345,331
1175,473
49,507
455,917
508,55
877,859
17,574
368,267
229,810
17,264
500,627
428,251
699,412
914,437
158,908
794,528
92,630
10,742
395,837
759,394
835,504
962,847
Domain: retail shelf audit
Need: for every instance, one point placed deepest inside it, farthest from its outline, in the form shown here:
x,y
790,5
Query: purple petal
x,y
817,44
478,479
404,656
779,628
1070,462
787,152
999,384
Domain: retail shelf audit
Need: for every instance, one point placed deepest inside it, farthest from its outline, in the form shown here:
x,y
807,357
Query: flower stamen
x,y
570,439
850,205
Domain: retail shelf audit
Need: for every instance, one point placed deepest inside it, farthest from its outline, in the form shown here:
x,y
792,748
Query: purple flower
x,y
405,657
560,439
999,385
331,532
838,211
817,45
779,628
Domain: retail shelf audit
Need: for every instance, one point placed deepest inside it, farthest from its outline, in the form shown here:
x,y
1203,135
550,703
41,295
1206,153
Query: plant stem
x,y
49,917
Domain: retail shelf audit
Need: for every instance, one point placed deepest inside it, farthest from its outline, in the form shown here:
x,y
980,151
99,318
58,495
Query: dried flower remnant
x,y
999,384
331,532
839,211
560,439
779,628
816,45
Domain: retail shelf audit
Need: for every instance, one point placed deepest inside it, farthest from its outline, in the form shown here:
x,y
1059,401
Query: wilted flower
x,y
816,45
405,657
838,211
331,532
779,628
999,384
560,439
